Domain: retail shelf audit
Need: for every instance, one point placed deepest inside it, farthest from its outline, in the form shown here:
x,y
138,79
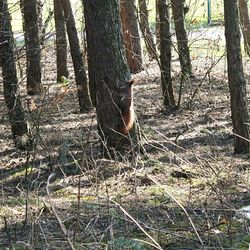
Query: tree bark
x,y
181,35
245,24
131,35
45,26
80,73
165,54
114,99
61,42
32,42
39,6
236,80
157,24
7,61
144,25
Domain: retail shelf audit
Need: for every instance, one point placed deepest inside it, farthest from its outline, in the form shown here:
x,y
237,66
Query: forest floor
x,y
185,192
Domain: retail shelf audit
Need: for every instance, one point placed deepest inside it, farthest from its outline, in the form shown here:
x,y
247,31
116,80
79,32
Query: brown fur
x,y
128,120
127,109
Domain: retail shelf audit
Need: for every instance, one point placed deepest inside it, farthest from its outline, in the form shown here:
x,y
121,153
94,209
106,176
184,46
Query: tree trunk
x,y
80,73
40,15
144,25
236,80
245,24
131,35
45,26
114,99
157,24
165,54
32,42
181,35
7,62
61,42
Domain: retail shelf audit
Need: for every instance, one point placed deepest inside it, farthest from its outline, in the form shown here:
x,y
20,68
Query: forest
x,y
124,124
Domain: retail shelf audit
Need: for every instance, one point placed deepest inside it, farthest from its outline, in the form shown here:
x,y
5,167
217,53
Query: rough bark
x,y
40,15
61,42
157,24
7,62
131,35
181,35
32,42
236,80
144,25
245,23
114,100
165,54
80,73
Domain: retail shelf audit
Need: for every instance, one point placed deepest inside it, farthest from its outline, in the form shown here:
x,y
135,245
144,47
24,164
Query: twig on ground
x,y
63,228
180,205
155,243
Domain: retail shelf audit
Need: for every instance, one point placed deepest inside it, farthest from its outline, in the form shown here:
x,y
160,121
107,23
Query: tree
x,y
61,41
236,80
157,23
80,73
7,62
45,26
114,99
131,35
39,6
144,25
245,23
165,54
32,42
181,35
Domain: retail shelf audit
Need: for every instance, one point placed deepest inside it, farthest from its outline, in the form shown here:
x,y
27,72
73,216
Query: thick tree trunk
x,y
114,100
131,35
144,25
61,41
32,42
182,39
236,80
7,62
165,56
245,24
80,73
